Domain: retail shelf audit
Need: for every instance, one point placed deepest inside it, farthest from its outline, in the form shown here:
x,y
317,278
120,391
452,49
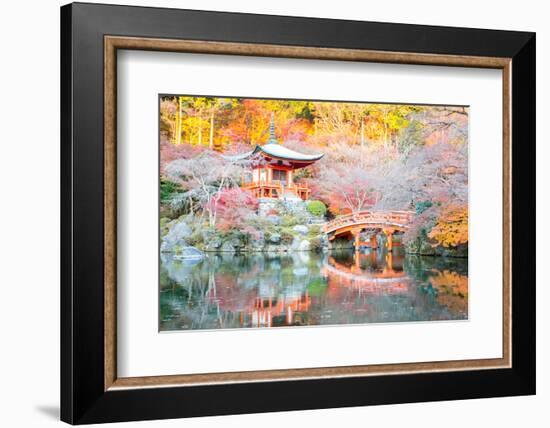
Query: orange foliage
x,y
451,228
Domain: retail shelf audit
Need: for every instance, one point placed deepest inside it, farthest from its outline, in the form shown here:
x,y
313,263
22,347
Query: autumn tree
x,y
234,209
451,228
204,179
345,189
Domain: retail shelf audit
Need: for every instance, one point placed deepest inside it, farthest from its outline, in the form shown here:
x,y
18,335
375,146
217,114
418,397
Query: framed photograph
x,y
266,213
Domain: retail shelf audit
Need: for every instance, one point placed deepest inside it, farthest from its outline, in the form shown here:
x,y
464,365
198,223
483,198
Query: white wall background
x,y
29,214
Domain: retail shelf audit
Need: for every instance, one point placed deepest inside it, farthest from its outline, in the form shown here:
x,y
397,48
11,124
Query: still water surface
x,y
308,289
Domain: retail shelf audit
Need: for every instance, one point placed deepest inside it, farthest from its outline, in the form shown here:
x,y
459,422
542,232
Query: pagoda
x,y
273,166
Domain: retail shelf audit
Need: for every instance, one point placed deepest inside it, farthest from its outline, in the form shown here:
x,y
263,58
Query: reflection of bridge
x,y
353,224
387,280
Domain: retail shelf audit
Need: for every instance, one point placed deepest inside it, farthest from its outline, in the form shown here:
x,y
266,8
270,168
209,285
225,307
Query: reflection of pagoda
x,y
256,311
283,309
272,169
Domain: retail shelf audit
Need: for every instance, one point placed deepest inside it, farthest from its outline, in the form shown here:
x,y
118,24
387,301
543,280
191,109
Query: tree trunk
x,y
362,141
362,133
178,123
211,144
200,127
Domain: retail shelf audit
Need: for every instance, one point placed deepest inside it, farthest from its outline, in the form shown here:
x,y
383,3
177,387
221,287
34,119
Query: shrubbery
x,y
286,237
422,206
291,220
317,208
168,189
196,239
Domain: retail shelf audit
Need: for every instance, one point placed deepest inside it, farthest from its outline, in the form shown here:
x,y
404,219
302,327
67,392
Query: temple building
x,y
272,169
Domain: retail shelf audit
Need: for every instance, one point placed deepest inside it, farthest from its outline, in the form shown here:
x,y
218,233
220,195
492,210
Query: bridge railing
x,y
400,218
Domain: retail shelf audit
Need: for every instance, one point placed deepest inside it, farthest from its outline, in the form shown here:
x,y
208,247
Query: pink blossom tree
x,y
234,208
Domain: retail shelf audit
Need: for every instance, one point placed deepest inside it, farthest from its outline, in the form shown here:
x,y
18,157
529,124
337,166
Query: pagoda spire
x,y
272,139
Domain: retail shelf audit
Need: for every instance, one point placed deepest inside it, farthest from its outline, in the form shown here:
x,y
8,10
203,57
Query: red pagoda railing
x,y
277,189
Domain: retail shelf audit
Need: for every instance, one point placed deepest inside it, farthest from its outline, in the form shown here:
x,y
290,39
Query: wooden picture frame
x,y
91,390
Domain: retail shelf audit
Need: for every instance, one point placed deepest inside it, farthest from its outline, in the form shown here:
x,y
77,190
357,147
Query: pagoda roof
x,y
276,151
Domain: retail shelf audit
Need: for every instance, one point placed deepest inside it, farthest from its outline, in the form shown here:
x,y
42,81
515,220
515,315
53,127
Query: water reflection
x,y
306,288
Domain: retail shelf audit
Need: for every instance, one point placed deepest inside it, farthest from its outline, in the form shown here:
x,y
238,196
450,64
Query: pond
x,y
309,289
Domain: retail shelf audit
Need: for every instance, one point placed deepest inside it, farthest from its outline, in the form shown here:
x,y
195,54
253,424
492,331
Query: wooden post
x,y
357,239
389,262
373,242
389,236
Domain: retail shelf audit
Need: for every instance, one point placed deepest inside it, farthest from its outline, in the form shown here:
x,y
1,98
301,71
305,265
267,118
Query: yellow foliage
x,y
451,228
452,289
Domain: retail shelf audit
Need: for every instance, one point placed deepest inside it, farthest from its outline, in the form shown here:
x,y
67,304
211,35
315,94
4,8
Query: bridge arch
x,y
353,224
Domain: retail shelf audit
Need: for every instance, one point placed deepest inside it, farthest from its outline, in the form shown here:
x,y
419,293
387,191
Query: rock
x,y
275,238
304,245
180,230
258,243
175,238
212,242
274,219
319,243
300,245
227,247
301,229
231,245
267,206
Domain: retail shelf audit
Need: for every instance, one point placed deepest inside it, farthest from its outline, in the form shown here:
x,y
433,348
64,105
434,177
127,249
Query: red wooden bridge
x,y
353,224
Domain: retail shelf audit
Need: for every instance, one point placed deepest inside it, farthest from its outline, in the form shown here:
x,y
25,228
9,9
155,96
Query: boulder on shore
x,y
275,238
176,237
